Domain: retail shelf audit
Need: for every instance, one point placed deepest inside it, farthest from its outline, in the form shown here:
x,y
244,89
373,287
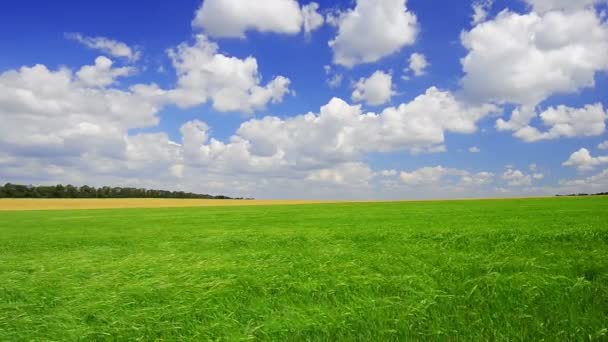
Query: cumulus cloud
x,y
373,30
57,128
564,121
374,90
477,179
334,80
351,174
480,11
525,58
603,146
437,175
583,161
474,149
102,74
387,173
592,184
517,178
232,84
418,64
233,18
311,17
112,47
341,131
542,6
428,175
54,112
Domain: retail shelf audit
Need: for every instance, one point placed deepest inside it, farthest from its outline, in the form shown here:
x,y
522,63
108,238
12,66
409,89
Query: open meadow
x,y
517,270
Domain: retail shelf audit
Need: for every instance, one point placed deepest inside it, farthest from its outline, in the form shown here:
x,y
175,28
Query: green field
x,y
517,270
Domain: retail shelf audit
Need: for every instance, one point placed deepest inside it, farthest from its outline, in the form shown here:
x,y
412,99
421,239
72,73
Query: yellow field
x,y
116,203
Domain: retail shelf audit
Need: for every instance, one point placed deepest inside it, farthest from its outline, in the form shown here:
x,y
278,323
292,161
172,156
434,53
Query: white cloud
x,y
102,74
592,184
47,112
388,173
375,90
567,122
517,178
312,19
478,179
233,18
480,11
474,149
542,6
428,175
335,81
583,160
532,167
232,84
442,176
177,170
373,30
418,64
112,47
523,59
603,146
74,126
351,174
341,132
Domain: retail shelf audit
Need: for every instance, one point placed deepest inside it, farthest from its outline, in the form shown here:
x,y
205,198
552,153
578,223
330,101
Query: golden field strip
x,y
119,203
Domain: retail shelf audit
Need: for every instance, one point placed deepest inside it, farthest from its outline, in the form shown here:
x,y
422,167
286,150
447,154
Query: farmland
x,y
520,269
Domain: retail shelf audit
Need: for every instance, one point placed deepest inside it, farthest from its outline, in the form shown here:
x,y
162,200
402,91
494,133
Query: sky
x,y
354,99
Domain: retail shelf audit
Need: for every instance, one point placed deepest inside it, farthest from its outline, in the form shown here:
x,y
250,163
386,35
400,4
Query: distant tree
x,y
9,190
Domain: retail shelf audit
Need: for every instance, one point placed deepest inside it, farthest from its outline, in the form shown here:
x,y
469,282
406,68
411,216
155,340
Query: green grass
x,y
517,270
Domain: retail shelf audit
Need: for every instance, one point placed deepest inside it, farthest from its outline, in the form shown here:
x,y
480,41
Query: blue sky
x,y
546,58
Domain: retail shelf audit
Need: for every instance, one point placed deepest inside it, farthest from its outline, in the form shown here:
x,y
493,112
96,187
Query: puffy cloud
x,y
375,90
592,184
232,84
112,47
480,11
603,146
334,79
525,58
387,173
341,131
583,160
474,149
312,19
517,178
102,74
352,174
47,112
478,179
542,6
567,122
233,18
418,64
373,30
437,175
428,175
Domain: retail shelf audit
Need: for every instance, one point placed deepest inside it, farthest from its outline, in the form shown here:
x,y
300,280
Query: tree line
x,y
9,190
584,194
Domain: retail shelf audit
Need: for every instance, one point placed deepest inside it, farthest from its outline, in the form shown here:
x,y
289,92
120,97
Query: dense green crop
x,y
465,270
